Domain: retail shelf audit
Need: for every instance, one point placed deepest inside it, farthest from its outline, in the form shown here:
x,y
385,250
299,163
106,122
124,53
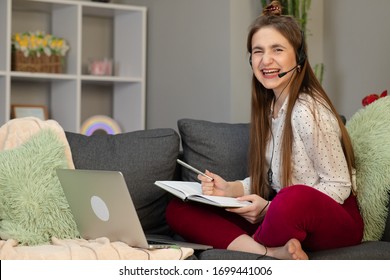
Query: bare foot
x,y
292,250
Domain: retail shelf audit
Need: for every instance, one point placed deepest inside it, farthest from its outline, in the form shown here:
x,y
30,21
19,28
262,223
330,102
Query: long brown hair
x,y
304,82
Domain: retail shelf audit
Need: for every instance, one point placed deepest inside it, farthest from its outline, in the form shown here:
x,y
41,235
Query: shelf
x,y
108,9
36,6
109,79
92,30
47,77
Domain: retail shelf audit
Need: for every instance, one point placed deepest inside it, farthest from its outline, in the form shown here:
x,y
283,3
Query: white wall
x,y
356,47
197,62
198,66
242,14
315,32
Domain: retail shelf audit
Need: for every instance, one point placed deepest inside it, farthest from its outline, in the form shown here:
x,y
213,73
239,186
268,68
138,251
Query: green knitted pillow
x,y
33,207
370,134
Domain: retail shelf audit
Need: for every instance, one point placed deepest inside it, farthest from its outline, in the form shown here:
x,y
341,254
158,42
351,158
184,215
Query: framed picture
x,y
21,111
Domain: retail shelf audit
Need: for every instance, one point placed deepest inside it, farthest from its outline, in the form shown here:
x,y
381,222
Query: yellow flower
x,y
37,43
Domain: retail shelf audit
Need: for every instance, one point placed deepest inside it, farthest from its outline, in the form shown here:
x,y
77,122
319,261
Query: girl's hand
x,y
217,186
253,213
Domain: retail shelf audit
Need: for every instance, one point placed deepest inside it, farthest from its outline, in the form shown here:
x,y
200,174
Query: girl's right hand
x,y
218,186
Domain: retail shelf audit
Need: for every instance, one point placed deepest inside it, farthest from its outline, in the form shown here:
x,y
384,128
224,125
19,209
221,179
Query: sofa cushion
x,y
221,254
370,134
33,207
143,157
221,148
368,250
386,234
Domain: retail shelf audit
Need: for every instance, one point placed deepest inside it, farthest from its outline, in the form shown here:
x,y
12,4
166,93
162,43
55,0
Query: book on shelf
x,y
193,191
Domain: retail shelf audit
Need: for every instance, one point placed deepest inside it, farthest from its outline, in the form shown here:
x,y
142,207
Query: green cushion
x,y
370,134
33,207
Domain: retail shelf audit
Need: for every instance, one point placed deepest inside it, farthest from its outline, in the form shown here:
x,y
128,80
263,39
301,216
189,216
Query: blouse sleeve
x,y
318,132
247,185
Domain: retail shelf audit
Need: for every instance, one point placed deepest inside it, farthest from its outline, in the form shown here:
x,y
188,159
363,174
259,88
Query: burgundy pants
x,y
300,212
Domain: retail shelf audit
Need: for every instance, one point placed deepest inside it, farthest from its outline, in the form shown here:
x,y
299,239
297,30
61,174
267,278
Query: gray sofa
x,y
146,156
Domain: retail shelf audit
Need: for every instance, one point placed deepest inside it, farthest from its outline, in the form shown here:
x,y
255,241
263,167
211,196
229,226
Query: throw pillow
x,y
143,157
221,148
370,135
33,207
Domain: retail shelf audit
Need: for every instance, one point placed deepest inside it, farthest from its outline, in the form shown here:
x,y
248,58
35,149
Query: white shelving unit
x,y
124,40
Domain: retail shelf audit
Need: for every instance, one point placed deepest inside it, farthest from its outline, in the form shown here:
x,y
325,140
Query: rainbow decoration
x,y
100,122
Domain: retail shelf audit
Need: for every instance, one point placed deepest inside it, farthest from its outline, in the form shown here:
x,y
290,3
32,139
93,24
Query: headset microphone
x,y
280,75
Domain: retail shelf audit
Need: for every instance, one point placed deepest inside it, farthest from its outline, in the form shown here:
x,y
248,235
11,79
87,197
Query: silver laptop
x,y
102,207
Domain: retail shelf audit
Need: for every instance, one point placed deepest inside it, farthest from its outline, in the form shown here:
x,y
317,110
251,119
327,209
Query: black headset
x,y
301,53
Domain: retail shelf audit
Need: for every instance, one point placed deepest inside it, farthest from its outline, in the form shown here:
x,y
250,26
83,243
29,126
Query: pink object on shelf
x,y
100,67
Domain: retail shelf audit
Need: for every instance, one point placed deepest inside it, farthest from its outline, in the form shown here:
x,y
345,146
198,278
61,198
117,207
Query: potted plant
x,y
38,52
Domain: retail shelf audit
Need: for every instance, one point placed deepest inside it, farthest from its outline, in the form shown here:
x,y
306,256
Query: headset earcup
x,y
301,54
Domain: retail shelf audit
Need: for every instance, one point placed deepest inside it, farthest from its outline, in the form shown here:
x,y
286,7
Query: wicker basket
x,y
32,63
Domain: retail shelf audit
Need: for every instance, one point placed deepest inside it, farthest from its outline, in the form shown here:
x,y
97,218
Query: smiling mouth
x,y
270,72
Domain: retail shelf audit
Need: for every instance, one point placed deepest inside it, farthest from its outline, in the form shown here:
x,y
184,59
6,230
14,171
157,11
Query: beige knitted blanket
x,y
80,249
17,131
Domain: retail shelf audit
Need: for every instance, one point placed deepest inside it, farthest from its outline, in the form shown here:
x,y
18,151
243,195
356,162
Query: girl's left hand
x,y
253,213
